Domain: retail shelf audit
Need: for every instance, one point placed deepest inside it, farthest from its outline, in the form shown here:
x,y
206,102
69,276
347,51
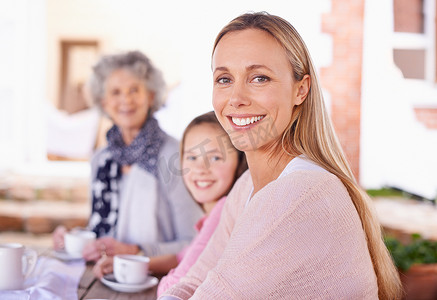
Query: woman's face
x,y
209,162
254,91
126,100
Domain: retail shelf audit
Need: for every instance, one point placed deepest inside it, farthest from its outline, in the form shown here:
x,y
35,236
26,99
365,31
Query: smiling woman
x,y
297,226
255,91
126,101
139,201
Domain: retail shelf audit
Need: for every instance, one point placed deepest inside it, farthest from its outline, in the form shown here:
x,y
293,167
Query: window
x,y
77,58
414,38
408,16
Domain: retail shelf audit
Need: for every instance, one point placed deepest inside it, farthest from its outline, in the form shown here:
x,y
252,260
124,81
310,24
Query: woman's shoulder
x,y
170,143
305,172
244,182
304,178
99,157
99,152
240,191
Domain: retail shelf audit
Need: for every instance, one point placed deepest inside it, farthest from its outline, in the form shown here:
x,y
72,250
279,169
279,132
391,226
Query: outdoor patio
x,y
31,208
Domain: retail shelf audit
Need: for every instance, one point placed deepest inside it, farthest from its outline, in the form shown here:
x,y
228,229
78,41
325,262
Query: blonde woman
x,y
296,225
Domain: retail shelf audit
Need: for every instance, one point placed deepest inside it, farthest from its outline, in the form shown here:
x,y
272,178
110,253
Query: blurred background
x,y
376,60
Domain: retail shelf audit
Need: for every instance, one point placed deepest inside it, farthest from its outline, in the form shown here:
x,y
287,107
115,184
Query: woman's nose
x,y
126,98
239,95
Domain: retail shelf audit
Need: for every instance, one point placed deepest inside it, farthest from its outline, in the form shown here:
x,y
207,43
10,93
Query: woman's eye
x,y
190,157
223,80
261,79
115,92
134,89
215,158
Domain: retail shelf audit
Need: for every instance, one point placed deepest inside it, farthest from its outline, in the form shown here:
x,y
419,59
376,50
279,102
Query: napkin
x,y
51,279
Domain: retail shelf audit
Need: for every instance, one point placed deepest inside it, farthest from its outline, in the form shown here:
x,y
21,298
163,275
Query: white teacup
x,y
131,269
16,263
76,240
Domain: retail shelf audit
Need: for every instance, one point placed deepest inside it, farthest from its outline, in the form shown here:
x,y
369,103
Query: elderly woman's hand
x,y
58,237
107,246
103,266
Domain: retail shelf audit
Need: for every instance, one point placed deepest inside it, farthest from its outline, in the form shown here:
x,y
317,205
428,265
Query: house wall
x,y
180,44
427,116
22,75
376,112
397,149
177,35
342,78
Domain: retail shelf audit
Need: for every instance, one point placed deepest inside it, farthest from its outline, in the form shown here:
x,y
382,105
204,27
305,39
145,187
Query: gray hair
x,y
135,62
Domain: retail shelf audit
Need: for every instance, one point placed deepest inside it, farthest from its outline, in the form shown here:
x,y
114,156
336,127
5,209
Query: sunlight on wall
x,y
177,35
396,150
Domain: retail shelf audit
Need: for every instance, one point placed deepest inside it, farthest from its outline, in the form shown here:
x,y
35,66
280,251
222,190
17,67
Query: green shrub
x,y
384,192
419,251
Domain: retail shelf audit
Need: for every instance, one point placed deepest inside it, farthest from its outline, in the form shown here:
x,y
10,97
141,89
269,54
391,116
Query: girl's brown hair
x,y
210,118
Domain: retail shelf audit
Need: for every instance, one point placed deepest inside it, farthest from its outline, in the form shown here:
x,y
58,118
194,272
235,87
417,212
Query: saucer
x,y
109,280
63,255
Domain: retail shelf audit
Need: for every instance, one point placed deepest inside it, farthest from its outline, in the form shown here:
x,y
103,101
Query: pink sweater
x,y
206,227
299,237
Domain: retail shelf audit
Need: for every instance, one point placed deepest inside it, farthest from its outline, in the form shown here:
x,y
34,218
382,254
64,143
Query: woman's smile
x,y
240,122
254,90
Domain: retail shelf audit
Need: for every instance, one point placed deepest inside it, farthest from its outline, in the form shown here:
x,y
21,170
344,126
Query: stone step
x,y
42,216
35,188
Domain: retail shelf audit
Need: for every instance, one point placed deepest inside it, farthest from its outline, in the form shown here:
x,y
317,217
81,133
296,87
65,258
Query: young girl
x,y
210,166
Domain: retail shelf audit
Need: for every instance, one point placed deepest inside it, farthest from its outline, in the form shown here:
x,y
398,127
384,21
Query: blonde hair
x,y
311,133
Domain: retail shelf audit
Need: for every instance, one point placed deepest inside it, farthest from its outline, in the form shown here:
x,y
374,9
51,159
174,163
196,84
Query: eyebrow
x,y
207,152
248,68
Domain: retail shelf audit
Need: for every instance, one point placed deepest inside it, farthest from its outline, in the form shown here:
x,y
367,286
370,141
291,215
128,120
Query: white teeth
x,y
246,121
203,184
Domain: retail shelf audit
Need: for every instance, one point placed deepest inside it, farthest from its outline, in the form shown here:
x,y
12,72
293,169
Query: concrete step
x,y
28,188
41,216
37,204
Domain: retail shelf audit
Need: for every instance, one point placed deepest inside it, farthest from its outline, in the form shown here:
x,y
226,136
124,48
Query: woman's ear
x,y
303,88
103,103
152,99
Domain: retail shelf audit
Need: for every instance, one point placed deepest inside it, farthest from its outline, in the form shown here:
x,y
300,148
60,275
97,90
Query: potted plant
x,y
417,265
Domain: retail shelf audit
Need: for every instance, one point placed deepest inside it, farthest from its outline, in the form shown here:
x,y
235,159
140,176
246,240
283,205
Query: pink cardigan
x,y
299,237
206,227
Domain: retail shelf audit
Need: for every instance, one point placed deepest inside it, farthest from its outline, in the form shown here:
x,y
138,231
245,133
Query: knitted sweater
x,y
299,237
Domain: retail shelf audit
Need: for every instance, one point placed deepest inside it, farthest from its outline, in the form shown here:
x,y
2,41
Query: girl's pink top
x,y
189,255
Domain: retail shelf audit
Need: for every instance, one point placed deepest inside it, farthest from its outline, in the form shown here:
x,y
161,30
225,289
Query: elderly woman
x,y
139,201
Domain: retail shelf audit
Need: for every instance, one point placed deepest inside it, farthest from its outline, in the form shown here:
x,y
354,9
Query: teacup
x,y
131,269
76,240
16,263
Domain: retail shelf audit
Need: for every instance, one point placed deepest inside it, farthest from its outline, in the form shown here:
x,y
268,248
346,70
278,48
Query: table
x,y
92,288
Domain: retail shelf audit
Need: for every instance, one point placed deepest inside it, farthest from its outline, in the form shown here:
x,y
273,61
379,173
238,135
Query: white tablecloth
x,y
51,280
